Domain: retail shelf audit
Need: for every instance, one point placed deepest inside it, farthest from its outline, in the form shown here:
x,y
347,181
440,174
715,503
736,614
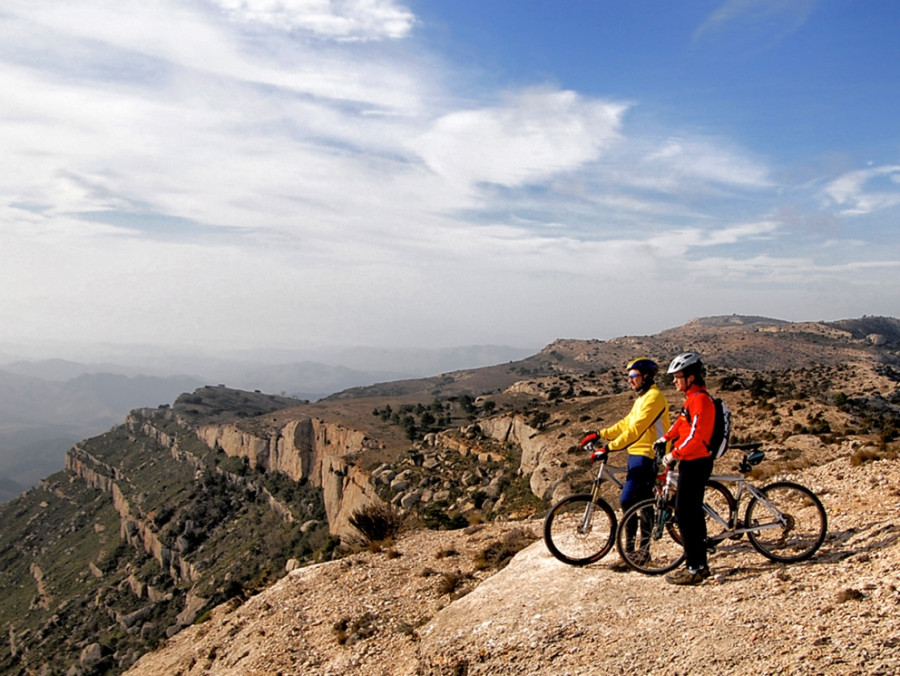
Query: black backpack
x,y
721,436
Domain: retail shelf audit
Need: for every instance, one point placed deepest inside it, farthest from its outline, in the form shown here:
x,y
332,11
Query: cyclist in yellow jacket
x,y
636,432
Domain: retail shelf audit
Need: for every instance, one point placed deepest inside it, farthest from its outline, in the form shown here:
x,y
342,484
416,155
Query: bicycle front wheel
x,y
579,531
789,525
648,539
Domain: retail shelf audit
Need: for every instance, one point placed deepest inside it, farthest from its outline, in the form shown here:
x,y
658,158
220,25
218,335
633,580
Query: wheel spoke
x,y
648,539
789,523
578,531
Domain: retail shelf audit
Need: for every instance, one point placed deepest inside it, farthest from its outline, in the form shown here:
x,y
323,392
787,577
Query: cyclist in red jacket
x,y
691,434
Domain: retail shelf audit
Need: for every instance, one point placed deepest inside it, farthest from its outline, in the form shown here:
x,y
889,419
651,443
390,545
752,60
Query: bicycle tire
x,y
572,541
657,547
717,497
801,536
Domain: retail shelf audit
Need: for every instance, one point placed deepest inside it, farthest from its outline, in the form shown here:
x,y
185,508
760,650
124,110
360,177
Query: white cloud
x,y
853,194
792,270
337,19
775,17
182,35
705,161
677,244
531,137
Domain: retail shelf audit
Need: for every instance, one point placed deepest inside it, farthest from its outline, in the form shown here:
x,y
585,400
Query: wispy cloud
x,y
779,17
278,167
865,191
349,20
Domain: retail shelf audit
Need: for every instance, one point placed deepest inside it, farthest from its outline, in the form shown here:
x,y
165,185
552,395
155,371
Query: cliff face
x,y
322,453
299,449
304,449
538,453
309,449
134,528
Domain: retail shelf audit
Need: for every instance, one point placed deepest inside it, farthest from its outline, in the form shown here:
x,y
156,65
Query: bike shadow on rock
x,y
838,546
843,544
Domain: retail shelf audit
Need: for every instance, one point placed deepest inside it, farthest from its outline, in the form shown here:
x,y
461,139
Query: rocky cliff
x,y
310,449
201,505
430,606
135,529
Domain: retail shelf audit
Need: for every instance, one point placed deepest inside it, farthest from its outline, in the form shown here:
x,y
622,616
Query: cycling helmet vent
x,y
683,361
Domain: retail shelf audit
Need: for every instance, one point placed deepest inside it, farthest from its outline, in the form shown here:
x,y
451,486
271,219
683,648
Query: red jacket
x,y
693,428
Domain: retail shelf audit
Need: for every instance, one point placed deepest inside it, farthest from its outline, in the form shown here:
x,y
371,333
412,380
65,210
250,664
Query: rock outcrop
x,y
135,527
308,449
430,608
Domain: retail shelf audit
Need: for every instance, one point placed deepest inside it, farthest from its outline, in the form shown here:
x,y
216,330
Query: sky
x,y
255,174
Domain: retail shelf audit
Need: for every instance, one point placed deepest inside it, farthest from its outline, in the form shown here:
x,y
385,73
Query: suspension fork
x,y
663,506
595,495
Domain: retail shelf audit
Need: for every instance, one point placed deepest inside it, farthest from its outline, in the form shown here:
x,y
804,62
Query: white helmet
x,y
683,361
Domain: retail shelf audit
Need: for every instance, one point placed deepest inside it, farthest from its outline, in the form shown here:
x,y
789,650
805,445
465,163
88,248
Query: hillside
x,y
426,606
185,513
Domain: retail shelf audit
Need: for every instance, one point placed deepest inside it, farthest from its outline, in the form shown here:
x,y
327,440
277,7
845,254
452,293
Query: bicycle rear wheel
x,y
579,531
717,498
648,539
793,528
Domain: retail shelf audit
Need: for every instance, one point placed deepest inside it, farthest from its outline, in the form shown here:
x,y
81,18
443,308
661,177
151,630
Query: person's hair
x,y
698,371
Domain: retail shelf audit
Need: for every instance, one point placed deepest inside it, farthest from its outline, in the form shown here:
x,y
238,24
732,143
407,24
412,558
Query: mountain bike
x,y
581,529
784,521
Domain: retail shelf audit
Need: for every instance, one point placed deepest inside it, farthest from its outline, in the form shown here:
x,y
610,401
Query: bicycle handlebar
x,y
749,447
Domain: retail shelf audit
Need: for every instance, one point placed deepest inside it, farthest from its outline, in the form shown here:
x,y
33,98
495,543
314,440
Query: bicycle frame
x,y
605,472
608,473
784,521
743,488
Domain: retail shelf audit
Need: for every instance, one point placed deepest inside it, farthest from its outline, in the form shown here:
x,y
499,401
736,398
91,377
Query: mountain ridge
x,y
492,446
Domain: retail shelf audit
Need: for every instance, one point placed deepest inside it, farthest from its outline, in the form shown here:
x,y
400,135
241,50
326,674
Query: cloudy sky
x,y
304,173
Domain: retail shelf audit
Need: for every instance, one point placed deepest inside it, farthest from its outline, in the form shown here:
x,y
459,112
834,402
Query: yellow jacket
x,y
647,422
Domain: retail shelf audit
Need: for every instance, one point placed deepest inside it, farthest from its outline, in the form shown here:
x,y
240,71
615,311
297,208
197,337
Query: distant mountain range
x,y
47,405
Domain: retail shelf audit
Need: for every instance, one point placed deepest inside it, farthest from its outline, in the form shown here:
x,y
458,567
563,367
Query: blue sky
x,y
304,173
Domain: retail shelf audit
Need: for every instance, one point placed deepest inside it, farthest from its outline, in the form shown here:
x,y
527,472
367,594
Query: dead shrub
x,y
500,552
377,522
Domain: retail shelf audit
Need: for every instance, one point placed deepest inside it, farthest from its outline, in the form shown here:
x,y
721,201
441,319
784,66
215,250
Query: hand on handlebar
x,y
589,443
600,454
589,440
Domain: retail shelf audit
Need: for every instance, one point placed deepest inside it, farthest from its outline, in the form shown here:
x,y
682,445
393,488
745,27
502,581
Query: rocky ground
x,y
434,604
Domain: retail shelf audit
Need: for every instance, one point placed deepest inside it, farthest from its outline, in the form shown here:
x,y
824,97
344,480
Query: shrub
x,y
452,583
435,517
500,552
376,522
